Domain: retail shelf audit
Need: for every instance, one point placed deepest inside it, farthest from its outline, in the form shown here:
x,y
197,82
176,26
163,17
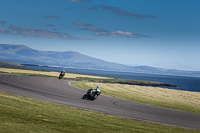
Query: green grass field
x,y
21,114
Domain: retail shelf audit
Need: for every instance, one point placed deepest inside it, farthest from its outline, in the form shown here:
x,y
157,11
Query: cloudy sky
x,y
158,33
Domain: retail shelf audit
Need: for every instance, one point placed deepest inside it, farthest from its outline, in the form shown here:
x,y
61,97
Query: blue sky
x,y
158,33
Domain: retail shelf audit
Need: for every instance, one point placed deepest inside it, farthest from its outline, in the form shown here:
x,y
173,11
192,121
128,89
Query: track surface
x,y
60,92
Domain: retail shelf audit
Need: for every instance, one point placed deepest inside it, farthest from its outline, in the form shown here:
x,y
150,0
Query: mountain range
x,y
25,55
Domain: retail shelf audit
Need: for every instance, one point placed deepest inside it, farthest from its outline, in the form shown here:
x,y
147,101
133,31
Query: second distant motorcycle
x,y
62,74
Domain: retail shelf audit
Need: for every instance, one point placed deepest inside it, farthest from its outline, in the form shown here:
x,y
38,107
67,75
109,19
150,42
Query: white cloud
x,y
120,34
2,22
117,11
103,32
32,32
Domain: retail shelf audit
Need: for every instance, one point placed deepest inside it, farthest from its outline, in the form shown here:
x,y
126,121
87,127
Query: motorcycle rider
x,y
88,92
62,73
97,91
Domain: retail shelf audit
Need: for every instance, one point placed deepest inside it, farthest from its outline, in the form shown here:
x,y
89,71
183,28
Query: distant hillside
x,y
25,55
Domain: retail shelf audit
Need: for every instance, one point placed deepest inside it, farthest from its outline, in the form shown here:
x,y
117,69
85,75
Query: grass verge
x,y
81,77
21,114
167,98
47,73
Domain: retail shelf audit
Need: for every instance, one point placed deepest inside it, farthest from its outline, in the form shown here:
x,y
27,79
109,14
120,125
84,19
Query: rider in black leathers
x,y
97,91
62,74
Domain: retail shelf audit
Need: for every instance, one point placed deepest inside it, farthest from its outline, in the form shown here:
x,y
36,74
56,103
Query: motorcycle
x,y
91,94
62,74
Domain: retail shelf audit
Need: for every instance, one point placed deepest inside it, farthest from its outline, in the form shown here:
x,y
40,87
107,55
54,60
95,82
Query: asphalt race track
x,y
60,92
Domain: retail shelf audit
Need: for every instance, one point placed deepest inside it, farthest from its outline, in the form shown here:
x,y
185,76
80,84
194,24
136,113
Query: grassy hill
x,y
20,114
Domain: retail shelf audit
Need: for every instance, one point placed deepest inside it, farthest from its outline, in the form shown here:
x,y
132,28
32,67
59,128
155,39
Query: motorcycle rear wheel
x,y
84,97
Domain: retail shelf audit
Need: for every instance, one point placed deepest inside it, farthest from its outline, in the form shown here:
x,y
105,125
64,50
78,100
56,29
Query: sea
x,y
183,82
